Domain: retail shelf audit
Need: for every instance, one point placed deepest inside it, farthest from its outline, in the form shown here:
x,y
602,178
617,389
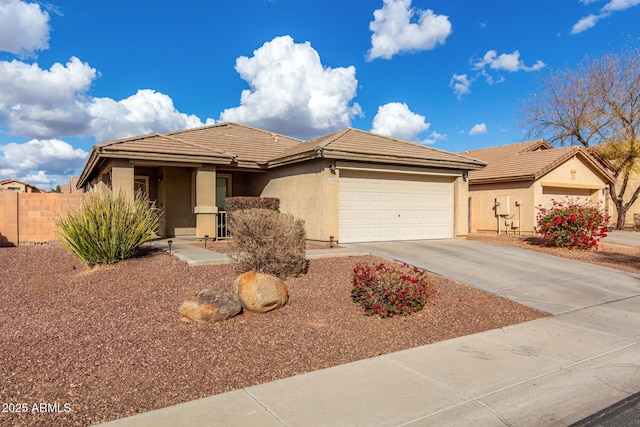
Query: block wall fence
x,y
29,218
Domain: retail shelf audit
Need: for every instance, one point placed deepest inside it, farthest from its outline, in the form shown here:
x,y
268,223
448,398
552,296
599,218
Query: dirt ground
x,y
101,344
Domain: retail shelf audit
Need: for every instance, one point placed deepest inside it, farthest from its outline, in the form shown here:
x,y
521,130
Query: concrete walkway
x,y
184,249
552,371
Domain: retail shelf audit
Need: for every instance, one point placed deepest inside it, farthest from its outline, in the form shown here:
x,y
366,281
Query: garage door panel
x,y
394,207
563,194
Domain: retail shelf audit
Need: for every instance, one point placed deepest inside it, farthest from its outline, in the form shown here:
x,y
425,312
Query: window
x,y
141,183
18,189
223,189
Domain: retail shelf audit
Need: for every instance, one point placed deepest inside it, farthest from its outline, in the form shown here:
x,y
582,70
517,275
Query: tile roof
x,y
525,161
248,147
352,143
225,141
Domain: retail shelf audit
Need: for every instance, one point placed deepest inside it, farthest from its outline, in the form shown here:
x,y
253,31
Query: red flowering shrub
x,y
389,291
572,224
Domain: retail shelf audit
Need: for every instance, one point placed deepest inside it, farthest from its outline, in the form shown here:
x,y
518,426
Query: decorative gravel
x,y
80,346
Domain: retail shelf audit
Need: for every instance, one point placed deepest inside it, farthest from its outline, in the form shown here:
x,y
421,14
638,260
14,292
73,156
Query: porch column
x,y
205,209
122,178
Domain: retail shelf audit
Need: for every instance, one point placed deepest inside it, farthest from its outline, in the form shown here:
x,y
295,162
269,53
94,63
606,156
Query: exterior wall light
x,y
332,167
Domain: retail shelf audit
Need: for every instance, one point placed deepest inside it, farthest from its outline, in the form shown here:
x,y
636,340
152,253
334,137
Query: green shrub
x,y
572,224
107,227
388,291
267,242
232,204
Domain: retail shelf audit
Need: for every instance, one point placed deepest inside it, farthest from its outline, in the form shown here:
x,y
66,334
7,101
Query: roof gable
x,y
527,161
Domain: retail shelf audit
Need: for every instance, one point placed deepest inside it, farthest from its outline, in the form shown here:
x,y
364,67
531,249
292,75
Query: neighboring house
x,y
519,178
351,185
70,188
18,186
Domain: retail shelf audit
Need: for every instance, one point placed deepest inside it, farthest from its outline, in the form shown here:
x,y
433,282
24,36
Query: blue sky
x,y
447,73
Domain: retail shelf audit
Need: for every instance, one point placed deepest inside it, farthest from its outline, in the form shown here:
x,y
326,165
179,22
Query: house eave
x,y
371,158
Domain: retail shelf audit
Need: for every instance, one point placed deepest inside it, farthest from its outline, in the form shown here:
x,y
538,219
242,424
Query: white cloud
x,y
145,112
591,20
397,120
510,62
292,92
617,5
46,104
478,129
460,84
585,23
399,28
51,156
24,27
434,137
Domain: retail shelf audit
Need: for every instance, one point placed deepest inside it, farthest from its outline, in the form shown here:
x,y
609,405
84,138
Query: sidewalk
x,y
552,371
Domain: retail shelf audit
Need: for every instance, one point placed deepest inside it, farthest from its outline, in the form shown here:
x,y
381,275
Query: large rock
x,y
259,292
210,305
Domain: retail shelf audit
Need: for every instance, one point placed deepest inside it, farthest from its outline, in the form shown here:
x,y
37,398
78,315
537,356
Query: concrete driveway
x,y
627,238
548,283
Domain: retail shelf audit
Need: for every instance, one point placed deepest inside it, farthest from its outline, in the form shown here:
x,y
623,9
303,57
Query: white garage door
x,y
382,207
562,194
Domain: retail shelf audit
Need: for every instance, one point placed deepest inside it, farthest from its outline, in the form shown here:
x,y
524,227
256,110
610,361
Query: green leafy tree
x,y
596,104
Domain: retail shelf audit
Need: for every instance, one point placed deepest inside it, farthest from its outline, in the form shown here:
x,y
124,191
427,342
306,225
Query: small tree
x,y
597,104
108,228
267,242
572,224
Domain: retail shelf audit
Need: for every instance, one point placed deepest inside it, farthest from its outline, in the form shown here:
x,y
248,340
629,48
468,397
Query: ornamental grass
x,y
108,227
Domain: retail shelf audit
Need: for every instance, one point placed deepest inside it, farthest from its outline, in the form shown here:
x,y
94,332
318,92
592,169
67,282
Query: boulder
x,y
210,305
259,292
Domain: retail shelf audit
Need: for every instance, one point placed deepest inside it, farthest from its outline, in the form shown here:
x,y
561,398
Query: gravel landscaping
x,y
96,345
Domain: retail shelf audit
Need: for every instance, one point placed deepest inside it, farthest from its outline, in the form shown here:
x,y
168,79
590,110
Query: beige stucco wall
x,y
484,197
460,207
308,191
574,173
311,191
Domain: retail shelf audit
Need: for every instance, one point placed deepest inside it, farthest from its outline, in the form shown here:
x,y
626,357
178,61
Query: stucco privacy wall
x,y
27,218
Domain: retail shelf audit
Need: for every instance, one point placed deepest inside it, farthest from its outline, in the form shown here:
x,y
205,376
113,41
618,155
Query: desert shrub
x,y
108,227
267,242
388,291
572,224
232,204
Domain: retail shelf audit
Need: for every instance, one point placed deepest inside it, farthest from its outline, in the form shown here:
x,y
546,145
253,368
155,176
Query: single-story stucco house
x,y
11,184
519,178
353,185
